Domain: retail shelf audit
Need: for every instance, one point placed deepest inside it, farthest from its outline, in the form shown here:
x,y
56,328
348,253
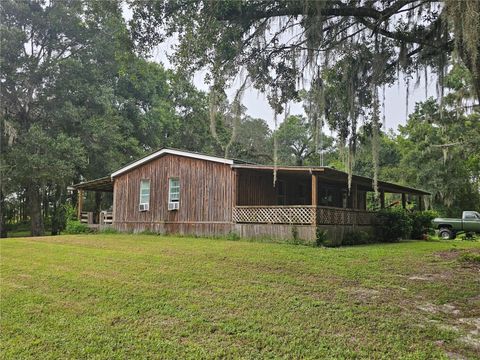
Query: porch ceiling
x,y
103,184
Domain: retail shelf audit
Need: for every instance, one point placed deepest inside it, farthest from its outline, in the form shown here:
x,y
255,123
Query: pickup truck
x,y
449,228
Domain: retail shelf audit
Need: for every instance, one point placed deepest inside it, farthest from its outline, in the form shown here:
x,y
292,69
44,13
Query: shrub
x,y
70,212
76,227
356,237
391,225
295,233
471,258
232,235
320,237
148,232
109,230
333,242
422,223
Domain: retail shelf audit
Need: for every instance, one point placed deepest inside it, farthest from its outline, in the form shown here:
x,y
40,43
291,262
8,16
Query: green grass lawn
x,y
145,296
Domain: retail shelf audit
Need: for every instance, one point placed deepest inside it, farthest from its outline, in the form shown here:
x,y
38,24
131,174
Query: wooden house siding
x,y
206,196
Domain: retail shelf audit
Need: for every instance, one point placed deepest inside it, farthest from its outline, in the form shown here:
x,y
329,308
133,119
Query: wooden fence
x,y
301,215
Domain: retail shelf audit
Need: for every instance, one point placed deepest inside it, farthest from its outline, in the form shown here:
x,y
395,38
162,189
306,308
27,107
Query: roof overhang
x,y
163,152
335,176
289,169
104,184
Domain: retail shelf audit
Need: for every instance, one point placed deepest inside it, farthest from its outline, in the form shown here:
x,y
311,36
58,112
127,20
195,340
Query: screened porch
x,y
313,196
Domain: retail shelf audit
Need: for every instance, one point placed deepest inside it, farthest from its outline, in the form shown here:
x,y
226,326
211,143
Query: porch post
x,y
314,198
382,199
79,204
354,201
420,202
234,195
404,200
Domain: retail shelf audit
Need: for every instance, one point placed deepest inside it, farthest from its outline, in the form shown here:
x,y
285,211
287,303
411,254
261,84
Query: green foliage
x,y
234,35
119,288
80,104
296,144
356,237
332,242
440,153
253,141
437,150
470,258
109,230
295,233
70,212
233,236
422,223
76,227
391,225
148,232
41,158
389,155
321,236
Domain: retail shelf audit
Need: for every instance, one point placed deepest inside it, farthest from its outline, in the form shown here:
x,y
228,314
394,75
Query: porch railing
x,y
274,214
105,217
301,215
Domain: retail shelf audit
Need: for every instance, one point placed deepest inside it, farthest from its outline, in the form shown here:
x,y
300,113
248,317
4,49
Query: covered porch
x,y
313,196
95,202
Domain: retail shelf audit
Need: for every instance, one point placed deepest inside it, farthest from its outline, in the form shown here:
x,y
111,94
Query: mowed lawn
x,y
145,296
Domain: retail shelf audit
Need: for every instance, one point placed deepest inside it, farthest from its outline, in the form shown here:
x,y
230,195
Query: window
x,y
173,190
144,192
472,216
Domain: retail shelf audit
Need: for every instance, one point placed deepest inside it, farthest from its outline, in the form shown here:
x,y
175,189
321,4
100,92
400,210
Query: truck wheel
x,y
446,234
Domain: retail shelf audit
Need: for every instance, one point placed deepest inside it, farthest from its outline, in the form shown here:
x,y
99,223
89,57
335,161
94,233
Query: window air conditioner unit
x,y
143,207
173,205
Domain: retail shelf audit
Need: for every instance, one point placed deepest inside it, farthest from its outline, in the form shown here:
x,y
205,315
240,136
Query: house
x,y
173,191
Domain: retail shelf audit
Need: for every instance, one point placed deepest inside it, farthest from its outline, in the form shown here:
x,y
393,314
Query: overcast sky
x,y
257,105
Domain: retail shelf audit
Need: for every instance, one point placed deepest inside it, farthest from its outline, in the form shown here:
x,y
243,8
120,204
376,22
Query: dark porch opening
x,y
95,202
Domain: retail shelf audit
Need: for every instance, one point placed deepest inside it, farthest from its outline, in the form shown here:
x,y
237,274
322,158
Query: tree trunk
x,y
35,207
3,222
58,212
46,204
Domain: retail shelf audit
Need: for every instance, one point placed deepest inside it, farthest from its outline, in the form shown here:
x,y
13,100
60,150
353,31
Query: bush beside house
x,y
391,225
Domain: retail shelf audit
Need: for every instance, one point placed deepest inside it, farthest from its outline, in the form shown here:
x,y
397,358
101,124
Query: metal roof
x,y
166,151
335,175
103,184
324,172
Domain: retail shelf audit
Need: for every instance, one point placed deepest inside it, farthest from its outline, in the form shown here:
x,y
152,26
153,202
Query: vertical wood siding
x,y
256,188
206,195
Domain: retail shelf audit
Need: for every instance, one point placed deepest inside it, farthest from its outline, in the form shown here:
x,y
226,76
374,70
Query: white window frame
x,y
170,180
145,181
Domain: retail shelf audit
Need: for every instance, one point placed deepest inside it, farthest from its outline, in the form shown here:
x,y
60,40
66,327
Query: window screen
x,y
144,191
174,190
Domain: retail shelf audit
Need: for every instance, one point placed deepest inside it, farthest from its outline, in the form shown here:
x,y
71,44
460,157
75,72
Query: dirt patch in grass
x,y
364,295
450,254
450,318
453,254
466,258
